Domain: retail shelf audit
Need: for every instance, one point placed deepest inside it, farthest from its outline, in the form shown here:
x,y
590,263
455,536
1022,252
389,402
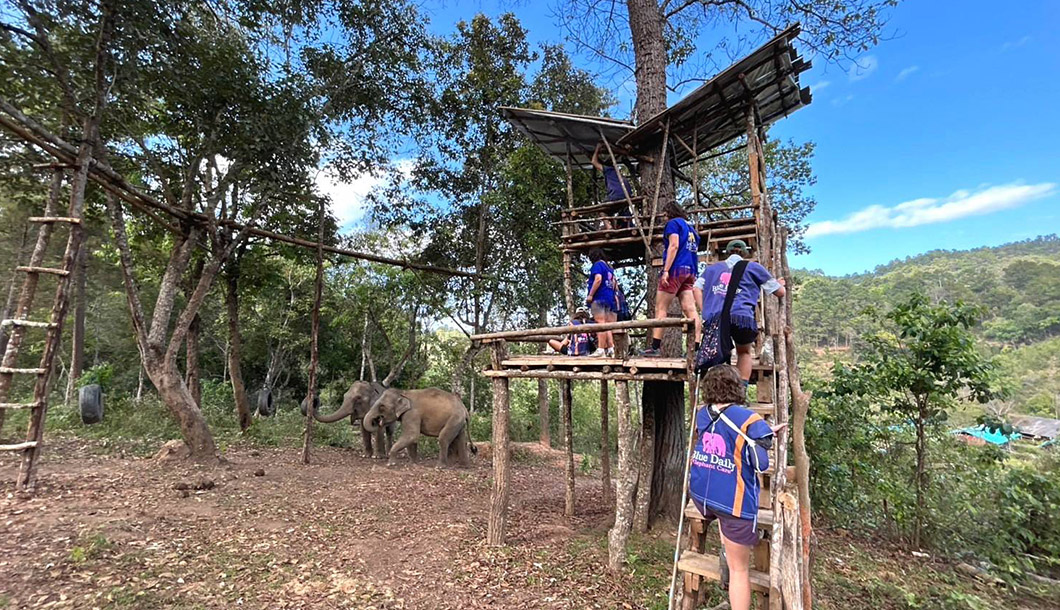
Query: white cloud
x,y
819,86
1012,44
905,73
929,210
348,198
863,67
840,101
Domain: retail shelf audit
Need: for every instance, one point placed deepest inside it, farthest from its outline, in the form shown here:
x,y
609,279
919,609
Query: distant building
x,y
1036,428
978,436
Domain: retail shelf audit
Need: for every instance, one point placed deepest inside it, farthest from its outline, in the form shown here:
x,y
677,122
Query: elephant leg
x,y
445,440
462,453
414,452
366,438
410,433
379,451
390,437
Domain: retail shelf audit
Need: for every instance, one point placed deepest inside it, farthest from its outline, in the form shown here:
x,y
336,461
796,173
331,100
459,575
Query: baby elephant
x,y
430,412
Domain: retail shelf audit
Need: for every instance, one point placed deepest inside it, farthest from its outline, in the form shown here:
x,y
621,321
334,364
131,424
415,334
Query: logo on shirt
x,y
713,444
723,284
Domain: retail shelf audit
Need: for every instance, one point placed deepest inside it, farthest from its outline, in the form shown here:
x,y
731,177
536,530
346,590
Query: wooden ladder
x,y
695,565
19,326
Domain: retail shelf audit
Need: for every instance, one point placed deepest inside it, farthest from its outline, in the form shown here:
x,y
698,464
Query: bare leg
x,y
688,308
555,344
743,361
603,339
662,304
738,557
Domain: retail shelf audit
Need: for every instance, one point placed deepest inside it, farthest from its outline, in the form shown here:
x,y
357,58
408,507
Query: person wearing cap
x,y
680,266
575,344
712,286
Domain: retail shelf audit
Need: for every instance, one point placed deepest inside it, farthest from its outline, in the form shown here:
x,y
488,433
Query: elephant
x,y
356,402
429,412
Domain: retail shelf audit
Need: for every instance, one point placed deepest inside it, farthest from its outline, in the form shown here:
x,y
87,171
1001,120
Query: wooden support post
x,y
568,290
627,478
641,517
605,445
566,397
498,518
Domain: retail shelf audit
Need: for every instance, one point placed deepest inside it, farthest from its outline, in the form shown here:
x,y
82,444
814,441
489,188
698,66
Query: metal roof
x,y
1036,427
558,132
714,113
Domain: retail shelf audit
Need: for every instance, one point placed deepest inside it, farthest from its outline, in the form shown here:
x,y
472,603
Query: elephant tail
x,y
472,447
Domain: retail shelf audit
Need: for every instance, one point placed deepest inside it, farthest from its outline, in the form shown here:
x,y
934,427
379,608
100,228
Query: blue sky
x,y
948,136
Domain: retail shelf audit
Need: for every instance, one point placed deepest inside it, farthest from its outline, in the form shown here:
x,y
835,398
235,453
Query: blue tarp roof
x,y
996,437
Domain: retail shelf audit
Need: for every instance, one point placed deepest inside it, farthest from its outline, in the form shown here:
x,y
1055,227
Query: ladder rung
x,y
28,324
50,219
61,272
708,566
6,370
19,405
19,446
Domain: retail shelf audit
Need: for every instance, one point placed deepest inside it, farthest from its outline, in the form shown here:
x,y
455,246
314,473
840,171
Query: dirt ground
x,y
345,532
106,530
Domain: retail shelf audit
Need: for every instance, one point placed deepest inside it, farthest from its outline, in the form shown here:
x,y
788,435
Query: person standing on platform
x,y
602,300
617,189
710,293
680,266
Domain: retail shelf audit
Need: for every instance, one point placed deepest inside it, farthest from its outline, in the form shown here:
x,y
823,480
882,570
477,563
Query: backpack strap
x,y
735,277
746,437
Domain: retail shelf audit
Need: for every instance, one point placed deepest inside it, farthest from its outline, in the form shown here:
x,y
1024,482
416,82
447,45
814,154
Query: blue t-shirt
x,y
605,294
687,258
714,282
725,467
614,183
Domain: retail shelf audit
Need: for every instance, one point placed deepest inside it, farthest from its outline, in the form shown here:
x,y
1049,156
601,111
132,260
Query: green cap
x,y
735,245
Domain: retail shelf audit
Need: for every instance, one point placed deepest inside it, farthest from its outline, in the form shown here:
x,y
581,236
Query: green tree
x,y
917,369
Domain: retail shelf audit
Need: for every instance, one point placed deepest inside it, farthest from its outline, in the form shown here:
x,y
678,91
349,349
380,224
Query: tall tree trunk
x,y
193,377
664,400
77,348
175,395
235,345
921,471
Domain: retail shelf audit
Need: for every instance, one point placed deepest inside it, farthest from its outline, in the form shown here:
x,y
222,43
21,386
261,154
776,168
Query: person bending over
x,y
710,291
680,266
731,447
602,300
575,344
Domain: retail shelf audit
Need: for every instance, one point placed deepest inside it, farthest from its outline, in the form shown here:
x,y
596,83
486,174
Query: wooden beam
x,y
566,397
582,328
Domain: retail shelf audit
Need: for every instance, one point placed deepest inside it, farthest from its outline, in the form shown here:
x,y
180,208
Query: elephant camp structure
x,y
740,102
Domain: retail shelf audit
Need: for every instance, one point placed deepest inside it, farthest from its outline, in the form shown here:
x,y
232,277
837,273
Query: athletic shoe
x,y
651,352
610,352
599,353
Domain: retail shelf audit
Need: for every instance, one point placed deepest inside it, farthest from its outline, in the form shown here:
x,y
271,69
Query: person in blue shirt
x,y
602,300
731,447
713,284
680,266
575,344
618,189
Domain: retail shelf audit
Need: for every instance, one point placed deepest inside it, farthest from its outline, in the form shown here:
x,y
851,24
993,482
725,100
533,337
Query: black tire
x,y
90,400
316,405
266,408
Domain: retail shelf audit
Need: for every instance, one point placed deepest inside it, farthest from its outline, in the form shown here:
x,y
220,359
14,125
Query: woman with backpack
x,y
731,447
575,344
602,299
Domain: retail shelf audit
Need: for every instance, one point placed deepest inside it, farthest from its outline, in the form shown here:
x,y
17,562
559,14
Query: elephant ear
x,y
404,404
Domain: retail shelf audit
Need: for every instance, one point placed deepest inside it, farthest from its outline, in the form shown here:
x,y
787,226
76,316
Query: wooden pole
x,y
605,444
566,398
498,518
568,284
618,536
314,348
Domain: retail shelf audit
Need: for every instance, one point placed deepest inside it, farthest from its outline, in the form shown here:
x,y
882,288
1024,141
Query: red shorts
x,y
676,284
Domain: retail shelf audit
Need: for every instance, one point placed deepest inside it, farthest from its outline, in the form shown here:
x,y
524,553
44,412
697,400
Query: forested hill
x,y
1017,284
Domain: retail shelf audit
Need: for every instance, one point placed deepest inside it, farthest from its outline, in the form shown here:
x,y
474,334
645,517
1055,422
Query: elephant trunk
x,y
344,411
368,425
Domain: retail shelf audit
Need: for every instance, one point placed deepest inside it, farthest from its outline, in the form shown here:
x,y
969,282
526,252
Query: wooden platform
x,y
709,566
587,367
